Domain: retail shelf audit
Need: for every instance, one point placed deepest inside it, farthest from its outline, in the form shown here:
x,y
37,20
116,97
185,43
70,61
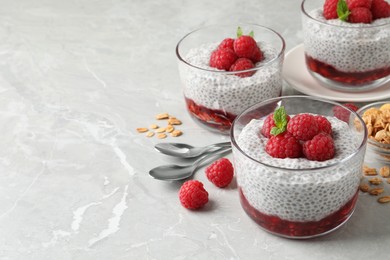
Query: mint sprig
x,y
280,119
241,33
342,10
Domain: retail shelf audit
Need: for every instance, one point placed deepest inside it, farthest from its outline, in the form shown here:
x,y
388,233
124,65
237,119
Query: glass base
x,y
213,120
300,230
336,85
332,78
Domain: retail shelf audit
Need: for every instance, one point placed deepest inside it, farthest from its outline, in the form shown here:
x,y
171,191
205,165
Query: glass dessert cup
x,y
298,198
215,97
377,152
345,56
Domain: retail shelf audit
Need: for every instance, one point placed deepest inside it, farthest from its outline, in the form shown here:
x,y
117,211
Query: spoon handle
x,y
206,158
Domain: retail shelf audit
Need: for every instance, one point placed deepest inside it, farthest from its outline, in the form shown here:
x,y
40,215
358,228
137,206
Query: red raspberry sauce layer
x,y
354,78
292,229
214,118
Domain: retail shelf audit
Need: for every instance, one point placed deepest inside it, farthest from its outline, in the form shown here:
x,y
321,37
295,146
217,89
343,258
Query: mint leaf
x,y
252,34
280,119
342,10
239,32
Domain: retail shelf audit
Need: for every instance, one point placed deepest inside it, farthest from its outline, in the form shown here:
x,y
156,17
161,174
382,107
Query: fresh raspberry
x,y
303,126
220,172
268,124
192,195
283,145
359,3
222,59
360,15
257,55
380,9
324,125
320,148
227,43
330,9
245,46
343,114
243,64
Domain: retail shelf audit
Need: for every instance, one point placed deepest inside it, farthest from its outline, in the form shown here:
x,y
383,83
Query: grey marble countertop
x,y
76,79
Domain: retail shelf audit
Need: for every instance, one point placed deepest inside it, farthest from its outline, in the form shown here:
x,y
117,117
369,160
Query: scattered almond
x,y
375,181
142,129
149,134
161,136
176,133
160,130
169,129
174,121
364,187
376,191
369,171
162,116
385,171
384,199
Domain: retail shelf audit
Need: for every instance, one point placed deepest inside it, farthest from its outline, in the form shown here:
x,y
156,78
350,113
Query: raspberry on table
x,y
330,9
222,59
245,46
283,145
268,124
192,195
243,64
360,15
359,3
320,148
343,114
380,9
324,125
220,172
227,43
303,126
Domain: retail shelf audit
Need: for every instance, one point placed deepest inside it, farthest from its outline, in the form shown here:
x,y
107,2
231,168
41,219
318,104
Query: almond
x,y
162,116
375,181
376,191
384,199
149,134
364,187
161,136
385,171
142,129
176,133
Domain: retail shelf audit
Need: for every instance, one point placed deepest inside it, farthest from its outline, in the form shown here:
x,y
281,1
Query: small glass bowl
x,y
215,97
297,198
345,56
377,152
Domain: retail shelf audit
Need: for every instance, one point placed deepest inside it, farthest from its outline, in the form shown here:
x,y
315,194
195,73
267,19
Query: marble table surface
x,y
76,79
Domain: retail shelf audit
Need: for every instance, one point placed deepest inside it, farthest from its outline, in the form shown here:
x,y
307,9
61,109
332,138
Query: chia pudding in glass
x,y
297,197
214,97
343,55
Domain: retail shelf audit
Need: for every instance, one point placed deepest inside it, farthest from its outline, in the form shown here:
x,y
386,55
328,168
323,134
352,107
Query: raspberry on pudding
x,y
222,73
347,42
298,183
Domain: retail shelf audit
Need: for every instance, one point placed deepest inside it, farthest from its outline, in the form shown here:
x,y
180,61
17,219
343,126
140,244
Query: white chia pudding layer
x,y
228,92
349,47
294,195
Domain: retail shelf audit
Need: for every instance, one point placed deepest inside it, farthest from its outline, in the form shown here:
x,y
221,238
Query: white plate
x,y
297,75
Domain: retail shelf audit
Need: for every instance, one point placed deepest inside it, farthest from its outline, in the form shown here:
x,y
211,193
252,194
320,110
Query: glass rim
x,y
360,111
303,10
343,160
280,52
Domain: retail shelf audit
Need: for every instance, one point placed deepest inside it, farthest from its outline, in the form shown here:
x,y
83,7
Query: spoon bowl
x,y
173,172
181,150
